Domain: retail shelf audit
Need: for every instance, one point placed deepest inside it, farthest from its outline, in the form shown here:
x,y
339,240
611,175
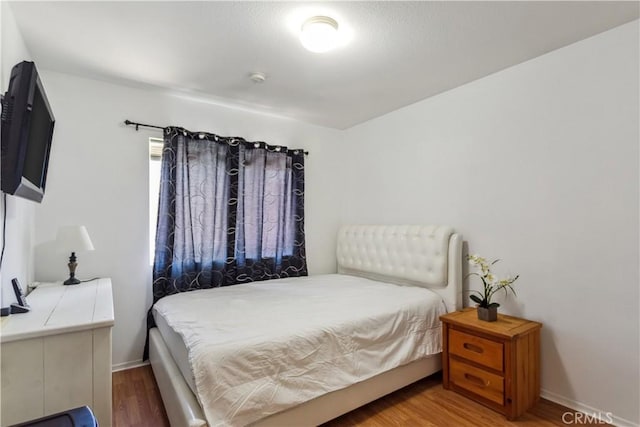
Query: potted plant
x,y
488,310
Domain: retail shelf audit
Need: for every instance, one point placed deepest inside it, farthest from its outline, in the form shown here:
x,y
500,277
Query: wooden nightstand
x,y
494,363
58,355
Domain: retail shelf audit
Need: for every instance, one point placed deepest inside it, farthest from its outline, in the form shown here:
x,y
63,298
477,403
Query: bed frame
x,y
426,256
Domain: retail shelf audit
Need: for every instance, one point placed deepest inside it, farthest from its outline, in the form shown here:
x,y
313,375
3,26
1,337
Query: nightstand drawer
x,y
483,383
480,350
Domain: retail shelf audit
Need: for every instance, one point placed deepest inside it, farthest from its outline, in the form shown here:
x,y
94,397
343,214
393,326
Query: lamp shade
x,y
73,238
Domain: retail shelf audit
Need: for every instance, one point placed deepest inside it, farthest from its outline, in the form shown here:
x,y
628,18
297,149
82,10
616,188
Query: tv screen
x,y
27,130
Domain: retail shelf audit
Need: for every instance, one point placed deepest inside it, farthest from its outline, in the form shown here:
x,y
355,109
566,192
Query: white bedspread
x,y
260,348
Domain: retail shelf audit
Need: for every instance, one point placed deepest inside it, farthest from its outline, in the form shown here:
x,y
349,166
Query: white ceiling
x,y
398,53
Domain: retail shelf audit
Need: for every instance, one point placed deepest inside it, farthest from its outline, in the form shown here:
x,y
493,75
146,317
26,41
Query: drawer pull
x,y
473,347
477,380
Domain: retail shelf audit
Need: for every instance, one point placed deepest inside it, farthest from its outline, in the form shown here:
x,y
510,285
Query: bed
x,y
348,339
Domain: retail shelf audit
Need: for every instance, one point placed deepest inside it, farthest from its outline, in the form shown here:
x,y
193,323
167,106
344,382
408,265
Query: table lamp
x,y
73,239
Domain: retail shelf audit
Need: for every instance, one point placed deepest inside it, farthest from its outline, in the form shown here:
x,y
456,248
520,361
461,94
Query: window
x,y
265,227
155,154
267,219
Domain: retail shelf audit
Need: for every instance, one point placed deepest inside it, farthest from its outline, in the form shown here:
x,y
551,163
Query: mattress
x,y
177,349
252,350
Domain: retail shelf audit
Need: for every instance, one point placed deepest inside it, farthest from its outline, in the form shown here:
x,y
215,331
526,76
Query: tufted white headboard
x,y
418,255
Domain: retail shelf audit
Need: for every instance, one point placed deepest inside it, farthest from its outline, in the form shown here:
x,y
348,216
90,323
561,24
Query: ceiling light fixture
x,y
319,34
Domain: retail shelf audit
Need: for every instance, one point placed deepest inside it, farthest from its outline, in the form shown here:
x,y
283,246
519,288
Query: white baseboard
x,y
589,410
128,365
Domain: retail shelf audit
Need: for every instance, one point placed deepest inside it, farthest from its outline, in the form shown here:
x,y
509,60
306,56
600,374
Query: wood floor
x,y
136,399
137,403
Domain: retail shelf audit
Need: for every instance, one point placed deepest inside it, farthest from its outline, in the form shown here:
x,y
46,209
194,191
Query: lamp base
x,y
72,271
72,281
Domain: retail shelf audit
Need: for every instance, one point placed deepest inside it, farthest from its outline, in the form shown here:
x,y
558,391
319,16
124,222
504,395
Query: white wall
x,y
536,165
18,256
98,177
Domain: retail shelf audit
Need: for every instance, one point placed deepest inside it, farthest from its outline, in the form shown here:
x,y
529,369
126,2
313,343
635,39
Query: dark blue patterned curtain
x,y
229,212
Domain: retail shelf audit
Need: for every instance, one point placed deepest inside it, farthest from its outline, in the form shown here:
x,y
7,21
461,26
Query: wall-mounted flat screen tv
x,y
27,129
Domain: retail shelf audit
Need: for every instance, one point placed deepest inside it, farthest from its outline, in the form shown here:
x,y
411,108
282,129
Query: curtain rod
x,y
137,125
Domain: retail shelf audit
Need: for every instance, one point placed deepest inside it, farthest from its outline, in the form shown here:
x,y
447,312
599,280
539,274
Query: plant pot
x,y
488,314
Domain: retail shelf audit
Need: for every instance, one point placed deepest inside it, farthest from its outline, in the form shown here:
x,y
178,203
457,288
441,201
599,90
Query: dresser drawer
x,y
480,350
483,383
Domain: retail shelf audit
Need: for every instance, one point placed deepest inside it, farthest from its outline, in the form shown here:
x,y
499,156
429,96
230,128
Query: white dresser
x,y
58,356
